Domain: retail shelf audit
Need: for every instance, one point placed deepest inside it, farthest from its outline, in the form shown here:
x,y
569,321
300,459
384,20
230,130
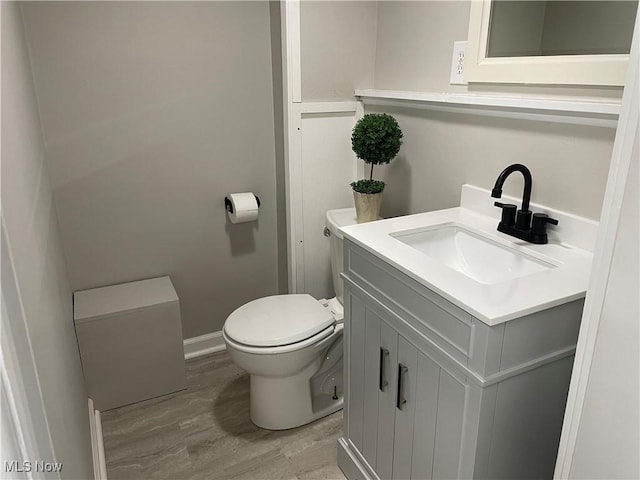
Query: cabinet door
x,y
439,411
405,406
427,380
355,325
372,381
428,417
386,393
373,353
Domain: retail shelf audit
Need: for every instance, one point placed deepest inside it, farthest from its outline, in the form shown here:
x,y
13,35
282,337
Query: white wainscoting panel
x,y
328,168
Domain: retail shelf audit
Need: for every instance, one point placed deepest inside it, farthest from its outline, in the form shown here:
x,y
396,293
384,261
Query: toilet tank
x,y
334,220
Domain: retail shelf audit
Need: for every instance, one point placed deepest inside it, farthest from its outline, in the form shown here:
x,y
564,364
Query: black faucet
x,y
521,223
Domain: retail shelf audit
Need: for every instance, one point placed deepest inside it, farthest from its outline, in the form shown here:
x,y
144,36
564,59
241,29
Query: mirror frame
x,y
610,70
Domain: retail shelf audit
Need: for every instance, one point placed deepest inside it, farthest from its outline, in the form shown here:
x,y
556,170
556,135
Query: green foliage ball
x,y
376,138
368,186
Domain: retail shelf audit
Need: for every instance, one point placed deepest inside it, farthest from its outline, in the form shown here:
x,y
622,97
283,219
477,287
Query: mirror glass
x,y
556,27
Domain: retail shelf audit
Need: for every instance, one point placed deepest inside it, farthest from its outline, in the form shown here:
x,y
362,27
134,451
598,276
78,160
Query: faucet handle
x,y
508,213
539,223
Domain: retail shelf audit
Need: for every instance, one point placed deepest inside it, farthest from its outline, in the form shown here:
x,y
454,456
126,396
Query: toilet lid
x,y
277,320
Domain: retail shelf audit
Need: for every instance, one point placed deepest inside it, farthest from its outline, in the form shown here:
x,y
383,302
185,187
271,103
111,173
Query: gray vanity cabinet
x,y
394,400
434,393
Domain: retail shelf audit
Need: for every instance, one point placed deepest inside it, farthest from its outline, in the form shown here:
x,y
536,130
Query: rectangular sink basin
x,y
473,255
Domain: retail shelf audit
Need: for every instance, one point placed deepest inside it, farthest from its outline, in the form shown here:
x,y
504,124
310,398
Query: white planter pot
x,y
367,206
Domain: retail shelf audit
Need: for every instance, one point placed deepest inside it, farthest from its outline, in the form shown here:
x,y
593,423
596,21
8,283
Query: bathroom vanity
x,y
458,370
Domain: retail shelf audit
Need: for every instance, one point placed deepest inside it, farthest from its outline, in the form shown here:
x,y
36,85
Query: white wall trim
x,y
579,111
328,107
521,101
203,345
294,111
97,443
22,401
292,95
605,243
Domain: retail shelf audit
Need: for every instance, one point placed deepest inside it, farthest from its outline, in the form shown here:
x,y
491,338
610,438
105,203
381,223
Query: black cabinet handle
x,y
384,353
401,399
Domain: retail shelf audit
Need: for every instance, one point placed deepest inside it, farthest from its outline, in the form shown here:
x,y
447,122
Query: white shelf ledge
x,y
550,109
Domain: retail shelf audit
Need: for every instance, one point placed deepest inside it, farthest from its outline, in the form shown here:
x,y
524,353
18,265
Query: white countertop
x,y
491,303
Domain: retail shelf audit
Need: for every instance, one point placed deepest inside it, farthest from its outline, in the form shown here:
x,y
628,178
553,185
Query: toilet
x,y
291,346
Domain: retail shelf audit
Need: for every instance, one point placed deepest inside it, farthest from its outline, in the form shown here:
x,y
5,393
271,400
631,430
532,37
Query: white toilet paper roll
x,y
244,207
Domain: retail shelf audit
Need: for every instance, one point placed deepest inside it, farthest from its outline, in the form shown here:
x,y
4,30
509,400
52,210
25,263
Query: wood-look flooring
x,y
204,432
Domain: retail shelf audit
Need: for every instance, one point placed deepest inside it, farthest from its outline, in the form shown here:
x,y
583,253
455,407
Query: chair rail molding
x,y
574,110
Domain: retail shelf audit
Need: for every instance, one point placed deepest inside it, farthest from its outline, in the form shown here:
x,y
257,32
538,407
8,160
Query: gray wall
x,y
278,124
442,151
33,237
151,113
337,43
414,44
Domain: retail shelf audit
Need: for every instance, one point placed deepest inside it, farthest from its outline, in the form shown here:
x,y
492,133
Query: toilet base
x,y
284,403
293,385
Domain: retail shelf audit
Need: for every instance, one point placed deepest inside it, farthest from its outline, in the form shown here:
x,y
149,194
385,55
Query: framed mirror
x,y
575,42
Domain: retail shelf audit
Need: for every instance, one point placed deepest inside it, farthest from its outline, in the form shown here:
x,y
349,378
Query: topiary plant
x,y
376,139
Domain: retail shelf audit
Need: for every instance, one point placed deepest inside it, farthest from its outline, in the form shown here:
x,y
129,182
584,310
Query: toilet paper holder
x,y
228,206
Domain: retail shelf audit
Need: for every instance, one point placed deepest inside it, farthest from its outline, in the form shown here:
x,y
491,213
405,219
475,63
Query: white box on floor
x,y
130,339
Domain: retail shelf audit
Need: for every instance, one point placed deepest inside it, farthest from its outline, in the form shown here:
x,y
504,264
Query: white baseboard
x,y
97,444
203,345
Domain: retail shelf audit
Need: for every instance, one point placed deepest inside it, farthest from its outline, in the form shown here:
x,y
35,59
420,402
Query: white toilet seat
x,y
292,347
278,320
